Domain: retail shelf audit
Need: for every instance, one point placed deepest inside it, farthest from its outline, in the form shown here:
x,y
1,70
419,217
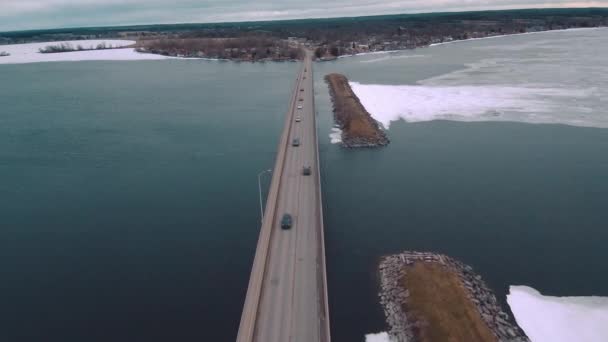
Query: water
x,y
521,203
129,198
128,195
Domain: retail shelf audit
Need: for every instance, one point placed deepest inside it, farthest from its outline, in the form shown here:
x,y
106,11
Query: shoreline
x,y
470,39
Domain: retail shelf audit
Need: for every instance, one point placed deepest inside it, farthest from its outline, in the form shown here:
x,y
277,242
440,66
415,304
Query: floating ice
x,y
387,103
335,136
559,319
379,337
29,53
558,79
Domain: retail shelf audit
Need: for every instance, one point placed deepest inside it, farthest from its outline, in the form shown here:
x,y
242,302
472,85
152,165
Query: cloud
x,y
33,14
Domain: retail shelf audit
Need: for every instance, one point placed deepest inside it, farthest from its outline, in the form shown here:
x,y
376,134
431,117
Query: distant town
x,y
328,38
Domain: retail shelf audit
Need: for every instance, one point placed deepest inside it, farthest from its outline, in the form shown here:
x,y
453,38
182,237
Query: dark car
x,y
295,142
286,221
306,171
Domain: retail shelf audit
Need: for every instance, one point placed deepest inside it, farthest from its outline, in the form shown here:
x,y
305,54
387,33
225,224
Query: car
x,y
286,221
306,171
295,142
301,99
302,89
298,119
300,107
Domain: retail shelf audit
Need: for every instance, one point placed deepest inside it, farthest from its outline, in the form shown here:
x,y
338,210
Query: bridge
x,y
287,293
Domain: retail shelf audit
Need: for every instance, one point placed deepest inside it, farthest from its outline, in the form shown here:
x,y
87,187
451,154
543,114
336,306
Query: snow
x,y
413,103
28,53
335,136
559,319
379,337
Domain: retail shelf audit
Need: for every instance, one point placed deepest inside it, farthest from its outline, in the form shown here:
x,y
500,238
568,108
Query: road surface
x,y
287,294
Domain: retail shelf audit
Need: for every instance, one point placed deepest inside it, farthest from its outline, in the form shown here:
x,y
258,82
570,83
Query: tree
x,y
334,51
318,52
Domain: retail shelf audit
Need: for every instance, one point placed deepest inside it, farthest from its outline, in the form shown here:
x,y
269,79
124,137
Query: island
x,y
358,127
429,297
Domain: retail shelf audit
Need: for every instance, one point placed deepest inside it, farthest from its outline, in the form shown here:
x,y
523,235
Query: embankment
x,y
358,127
431,297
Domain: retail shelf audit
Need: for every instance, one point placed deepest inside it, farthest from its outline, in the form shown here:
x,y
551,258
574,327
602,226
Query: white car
x,y
299,106
298,119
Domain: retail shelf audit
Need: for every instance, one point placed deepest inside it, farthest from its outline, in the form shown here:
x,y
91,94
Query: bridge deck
x,y
287,294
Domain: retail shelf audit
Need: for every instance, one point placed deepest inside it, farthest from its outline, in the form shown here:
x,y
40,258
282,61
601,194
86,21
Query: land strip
x,y
358,127
431,297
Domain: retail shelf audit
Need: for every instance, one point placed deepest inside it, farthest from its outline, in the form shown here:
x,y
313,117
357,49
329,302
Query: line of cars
x,y
287,219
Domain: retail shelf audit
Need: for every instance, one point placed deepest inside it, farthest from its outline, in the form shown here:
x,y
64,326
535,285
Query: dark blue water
x,y
128,196
129,204
522,204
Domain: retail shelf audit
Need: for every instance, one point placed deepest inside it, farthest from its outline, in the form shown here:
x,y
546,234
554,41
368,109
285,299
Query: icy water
x,y
524,204
128,190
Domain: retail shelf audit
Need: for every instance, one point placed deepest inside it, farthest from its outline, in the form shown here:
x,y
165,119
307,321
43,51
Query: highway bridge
x,y
287,293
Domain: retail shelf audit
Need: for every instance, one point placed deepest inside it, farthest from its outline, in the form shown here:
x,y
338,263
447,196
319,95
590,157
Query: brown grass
x,y
350,113
438,298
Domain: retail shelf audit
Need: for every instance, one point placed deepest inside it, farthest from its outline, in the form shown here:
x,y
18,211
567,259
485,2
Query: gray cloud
x,y
33,14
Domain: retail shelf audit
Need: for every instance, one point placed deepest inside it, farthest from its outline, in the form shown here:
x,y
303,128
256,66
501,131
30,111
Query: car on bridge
x,y
295,142
300,107
301,89
298,119
286,221
306,171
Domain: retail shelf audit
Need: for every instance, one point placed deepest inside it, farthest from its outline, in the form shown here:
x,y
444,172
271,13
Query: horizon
x,y
15,13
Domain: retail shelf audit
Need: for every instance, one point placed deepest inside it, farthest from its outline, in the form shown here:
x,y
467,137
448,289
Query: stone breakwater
x,y
394,297
358,127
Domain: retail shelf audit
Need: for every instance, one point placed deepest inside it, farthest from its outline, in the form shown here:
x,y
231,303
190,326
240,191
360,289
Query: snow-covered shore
x,y
559,319
29,53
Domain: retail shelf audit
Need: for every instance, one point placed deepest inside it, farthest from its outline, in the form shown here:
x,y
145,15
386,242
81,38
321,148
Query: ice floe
x,y
559,319
335,136
379,337
387,103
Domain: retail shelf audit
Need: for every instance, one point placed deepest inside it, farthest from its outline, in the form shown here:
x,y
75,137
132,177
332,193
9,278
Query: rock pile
x,y
394,297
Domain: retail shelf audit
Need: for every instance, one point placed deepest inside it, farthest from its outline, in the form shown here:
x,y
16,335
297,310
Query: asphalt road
x,y
287,294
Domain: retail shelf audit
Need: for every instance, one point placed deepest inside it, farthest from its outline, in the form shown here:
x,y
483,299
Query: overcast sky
x,y
33,14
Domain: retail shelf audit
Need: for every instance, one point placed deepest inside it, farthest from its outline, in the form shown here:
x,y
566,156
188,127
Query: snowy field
x,y
29,53
559,319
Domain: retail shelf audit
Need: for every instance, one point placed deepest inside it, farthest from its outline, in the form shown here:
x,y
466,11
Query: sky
x,y
36,14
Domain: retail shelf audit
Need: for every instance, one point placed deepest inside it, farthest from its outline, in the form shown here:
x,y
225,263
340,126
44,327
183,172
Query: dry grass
x,y
356,121
438,299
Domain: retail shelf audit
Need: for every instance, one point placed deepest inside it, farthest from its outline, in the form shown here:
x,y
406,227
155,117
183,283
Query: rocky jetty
x,y
358,127
394,297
